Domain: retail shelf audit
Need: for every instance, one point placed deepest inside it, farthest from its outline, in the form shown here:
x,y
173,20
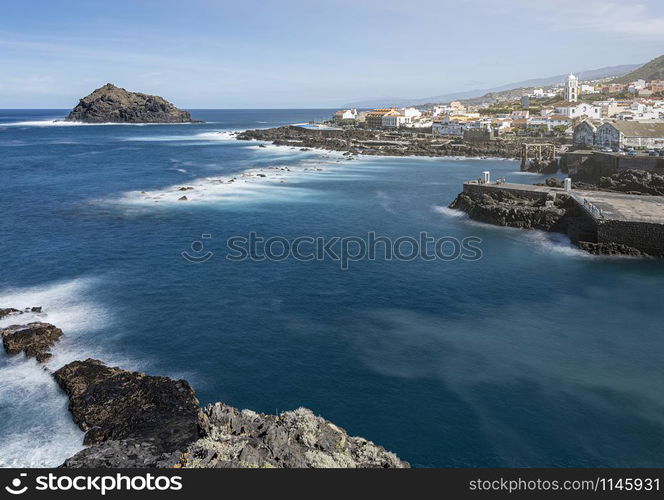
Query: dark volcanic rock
x,y
11,310
596,177
33,339
541,166
233,438
371,142
124,453
114,404
610,249
137,420
554,182
505,209
634,181
560,214
116,105
8,311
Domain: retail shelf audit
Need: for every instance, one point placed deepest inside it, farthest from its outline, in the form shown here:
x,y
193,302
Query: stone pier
x,y
632,220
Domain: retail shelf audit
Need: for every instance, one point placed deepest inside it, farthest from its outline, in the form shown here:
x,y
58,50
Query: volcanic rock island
x,y
111,104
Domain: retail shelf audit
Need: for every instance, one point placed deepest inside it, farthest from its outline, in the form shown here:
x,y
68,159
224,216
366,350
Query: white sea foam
x,y
518,172
67,304
253,184
227,135
556,243
274,182
59,122
386,202
449,212
37,429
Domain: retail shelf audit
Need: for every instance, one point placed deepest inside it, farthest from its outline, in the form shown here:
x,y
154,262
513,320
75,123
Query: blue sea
x,y
534,355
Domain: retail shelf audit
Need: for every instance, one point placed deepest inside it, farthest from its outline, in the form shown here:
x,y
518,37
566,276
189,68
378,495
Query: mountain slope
x,y
594,74
653,70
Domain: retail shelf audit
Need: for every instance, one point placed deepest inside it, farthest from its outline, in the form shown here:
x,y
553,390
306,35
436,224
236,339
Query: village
x,y
624,118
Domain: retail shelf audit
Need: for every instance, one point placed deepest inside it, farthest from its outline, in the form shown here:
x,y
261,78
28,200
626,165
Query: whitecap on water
x,y
37,429
556,243
227,135
449,212
59,122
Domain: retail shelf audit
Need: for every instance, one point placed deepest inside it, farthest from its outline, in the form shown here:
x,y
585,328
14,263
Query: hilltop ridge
x,y
652,70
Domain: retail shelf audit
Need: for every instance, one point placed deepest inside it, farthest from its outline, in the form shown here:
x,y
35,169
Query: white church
x,y
572,88
571,108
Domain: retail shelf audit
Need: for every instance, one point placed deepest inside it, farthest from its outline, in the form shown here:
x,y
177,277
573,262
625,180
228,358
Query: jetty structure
x,y
599,222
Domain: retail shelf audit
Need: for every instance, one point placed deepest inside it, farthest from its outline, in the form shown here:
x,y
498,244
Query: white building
x,y
571,92
577,110
440,109
541,93
394,119
411,112
404,117
345,114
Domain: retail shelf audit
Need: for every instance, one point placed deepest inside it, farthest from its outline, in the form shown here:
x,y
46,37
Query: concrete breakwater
x,y
604,223
132,419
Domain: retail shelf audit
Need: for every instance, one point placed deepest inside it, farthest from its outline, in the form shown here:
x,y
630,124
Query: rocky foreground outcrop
x,y
111,104
132,419
130,408
234,438
557,213
137,420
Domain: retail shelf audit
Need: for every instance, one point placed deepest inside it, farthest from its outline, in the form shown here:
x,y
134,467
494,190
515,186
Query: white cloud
x,y
635,19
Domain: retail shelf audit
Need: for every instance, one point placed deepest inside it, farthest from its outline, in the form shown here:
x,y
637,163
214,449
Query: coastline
x,y
371,143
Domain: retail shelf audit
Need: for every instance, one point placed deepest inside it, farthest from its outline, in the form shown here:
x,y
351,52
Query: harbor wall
x,y
644,236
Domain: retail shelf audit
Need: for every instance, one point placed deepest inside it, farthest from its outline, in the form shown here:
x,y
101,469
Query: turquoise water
x,y
534,355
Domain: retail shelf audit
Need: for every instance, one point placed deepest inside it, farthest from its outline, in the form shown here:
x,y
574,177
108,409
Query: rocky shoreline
x,y
131,419
369,142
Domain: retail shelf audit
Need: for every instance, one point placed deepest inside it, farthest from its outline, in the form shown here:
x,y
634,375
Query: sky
x,y
308,53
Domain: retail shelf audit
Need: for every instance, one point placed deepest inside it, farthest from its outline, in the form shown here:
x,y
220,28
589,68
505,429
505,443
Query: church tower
x,y
572,88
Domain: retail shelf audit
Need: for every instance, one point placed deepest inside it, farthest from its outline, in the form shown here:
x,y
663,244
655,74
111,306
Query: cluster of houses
x,y
562,117
639,88
385,118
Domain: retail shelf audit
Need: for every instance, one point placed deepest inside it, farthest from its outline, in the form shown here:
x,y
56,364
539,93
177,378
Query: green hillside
x,y
653,70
